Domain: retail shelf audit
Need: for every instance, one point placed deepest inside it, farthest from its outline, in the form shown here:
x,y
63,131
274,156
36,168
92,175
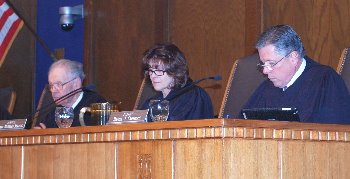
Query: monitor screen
x,y
273,114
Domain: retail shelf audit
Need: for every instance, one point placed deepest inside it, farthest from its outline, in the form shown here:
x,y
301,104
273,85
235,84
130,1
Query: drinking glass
x,y
159,110
64,117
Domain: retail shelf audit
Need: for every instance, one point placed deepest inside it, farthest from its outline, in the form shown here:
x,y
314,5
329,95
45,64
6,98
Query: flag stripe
x,y
9,36
3,8
7,26
10,24
4,16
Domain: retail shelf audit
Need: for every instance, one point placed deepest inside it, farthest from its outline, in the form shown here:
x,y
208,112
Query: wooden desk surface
x,y
209,148
191,129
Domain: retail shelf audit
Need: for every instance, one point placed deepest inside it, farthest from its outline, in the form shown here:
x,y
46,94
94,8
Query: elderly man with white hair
x,y
65,76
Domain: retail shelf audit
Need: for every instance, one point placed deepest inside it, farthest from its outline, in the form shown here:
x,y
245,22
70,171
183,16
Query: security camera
x,y
69,15
66,22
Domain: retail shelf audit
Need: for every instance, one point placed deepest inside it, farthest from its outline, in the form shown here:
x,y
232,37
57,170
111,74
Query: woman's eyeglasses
x,y
156,72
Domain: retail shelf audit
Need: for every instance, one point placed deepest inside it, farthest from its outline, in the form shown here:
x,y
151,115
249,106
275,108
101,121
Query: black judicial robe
x,y
89,97
4,114
192,104
319,94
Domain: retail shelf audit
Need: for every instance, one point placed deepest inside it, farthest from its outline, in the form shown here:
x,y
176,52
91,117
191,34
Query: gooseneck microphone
x,y
89,87
84,88
188,87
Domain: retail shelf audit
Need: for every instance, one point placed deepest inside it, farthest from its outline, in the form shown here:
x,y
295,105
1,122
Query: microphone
x,y
89,87
188,87
84,88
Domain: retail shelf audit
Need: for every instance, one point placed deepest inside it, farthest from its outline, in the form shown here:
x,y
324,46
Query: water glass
x,y
159,110
64,117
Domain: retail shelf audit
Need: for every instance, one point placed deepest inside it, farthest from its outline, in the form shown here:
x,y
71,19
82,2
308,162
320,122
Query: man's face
x,y
61,83
281,73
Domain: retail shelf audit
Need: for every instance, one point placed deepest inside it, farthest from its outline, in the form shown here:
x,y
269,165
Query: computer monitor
x,y
273,114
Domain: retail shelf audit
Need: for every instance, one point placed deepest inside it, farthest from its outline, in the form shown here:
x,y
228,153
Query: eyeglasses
x,y
156,72
59,85
270,65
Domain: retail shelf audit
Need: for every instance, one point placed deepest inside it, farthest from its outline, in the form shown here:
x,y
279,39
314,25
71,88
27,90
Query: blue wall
x,y
49,30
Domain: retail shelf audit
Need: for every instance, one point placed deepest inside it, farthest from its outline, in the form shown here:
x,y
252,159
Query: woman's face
x,y
161,81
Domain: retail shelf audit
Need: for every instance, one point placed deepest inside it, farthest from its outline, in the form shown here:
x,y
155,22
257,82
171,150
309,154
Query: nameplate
x,y
16,124
127,117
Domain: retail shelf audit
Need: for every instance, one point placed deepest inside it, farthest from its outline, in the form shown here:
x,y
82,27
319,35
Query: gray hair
x,y
284,38
74,68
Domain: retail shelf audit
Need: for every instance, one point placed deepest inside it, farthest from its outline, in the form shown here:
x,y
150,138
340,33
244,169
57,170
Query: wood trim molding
x,y
187,133
192,129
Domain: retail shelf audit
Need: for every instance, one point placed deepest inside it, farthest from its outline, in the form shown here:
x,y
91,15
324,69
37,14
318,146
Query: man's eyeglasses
x,y
157,72
59,85
270,65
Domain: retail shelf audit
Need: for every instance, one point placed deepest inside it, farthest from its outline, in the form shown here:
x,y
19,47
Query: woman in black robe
x,y
165,67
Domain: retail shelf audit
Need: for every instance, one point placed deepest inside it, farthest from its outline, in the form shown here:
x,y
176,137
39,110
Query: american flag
x,y
10,25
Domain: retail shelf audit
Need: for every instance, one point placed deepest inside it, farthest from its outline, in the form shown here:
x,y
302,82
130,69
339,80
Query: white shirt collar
x,y
78,100
296,75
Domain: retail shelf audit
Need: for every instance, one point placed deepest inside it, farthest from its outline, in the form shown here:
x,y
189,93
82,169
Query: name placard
x,y
15,124
127,117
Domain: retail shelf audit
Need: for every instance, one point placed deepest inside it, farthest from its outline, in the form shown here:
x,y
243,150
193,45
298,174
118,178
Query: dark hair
x,y
171,58
284,38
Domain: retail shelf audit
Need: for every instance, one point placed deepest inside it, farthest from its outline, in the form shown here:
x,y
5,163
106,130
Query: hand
x,y
41,126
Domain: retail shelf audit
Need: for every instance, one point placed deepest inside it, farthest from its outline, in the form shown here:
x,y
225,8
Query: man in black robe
x,y
88,98
66,76
295,80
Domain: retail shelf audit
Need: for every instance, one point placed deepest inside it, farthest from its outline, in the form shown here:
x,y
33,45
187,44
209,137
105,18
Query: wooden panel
x,y
11,159
253,18
250,159
212,148
118,32
315,160
151,159
19,67
211,34
198,159
172,130
322,25
70,161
